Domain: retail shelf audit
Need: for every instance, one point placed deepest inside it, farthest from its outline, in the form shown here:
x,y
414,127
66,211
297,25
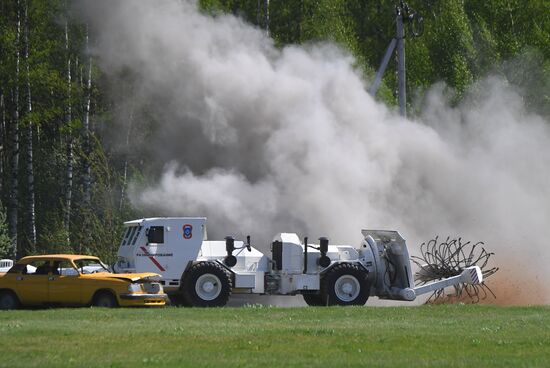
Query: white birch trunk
x,y
69,153
125,171
13,203
87,145
31,216
2,138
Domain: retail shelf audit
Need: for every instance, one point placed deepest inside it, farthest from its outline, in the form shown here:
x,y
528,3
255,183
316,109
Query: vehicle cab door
x,y
64,284
32,283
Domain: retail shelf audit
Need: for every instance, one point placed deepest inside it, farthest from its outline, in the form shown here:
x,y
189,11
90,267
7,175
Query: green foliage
x,y
5,240
462,41
53,239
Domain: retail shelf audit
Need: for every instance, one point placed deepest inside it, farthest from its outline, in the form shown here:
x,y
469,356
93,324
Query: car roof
x,y
43,257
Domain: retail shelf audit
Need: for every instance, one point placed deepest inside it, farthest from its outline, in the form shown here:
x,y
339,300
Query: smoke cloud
x,y
263,140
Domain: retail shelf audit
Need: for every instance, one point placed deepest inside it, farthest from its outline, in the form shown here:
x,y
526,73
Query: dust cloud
x,y
263,140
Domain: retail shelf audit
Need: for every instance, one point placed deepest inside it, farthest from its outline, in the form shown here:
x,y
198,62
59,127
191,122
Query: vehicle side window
x,y
37,268
155,234
18,268
138,231
80,265
86,266
125,236
64,268
129,235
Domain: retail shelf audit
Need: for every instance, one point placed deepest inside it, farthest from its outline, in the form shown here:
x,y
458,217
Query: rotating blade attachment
x,y
444,259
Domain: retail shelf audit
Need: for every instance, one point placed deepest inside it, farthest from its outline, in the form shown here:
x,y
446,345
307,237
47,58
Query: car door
x,y
32,283
64,284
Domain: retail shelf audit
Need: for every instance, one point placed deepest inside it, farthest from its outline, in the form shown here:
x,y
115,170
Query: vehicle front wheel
x,y
345,284
177,300
8,300
206,284
105,299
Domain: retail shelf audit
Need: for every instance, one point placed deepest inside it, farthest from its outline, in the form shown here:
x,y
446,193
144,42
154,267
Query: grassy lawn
x,y
459,335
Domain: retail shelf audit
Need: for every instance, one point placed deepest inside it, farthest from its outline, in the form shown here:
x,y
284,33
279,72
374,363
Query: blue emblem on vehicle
x,y
187,231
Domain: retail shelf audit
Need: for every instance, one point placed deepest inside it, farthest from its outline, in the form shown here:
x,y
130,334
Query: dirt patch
x,y
511,288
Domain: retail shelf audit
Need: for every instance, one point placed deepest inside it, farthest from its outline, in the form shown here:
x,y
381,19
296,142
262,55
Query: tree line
x,y
63,188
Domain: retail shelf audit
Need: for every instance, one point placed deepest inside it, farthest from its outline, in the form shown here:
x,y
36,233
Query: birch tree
x,y
2,138
31,216
69,143
86,123
126,157
13,201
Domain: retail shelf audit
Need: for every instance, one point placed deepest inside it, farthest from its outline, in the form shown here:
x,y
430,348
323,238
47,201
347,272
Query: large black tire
x,y
105,299
177,300
345,284
314,300
206,284
8,300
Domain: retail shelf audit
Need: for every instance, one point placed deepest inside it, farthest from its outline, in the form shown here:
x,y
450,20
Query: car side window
x,y
81,267
37,268
64,268
18,268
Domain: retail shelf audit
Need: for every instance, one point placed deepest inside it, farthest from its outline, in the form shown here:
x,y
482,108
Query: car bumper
x,y
143,299
143,296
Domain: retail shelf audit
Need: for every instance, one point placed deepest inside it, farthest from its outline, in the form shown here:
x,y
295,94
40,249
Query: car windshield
x,y
86,266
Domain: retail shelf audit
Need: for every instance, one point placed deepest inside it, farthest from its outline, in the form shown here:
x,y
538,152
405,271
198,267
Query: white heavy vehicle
x,y
5,265
202,273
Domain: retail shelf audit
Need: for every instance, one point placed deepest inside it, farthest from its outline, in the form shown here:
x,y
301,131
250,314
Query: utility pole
x,y
401,72
403,15
265,5
267,17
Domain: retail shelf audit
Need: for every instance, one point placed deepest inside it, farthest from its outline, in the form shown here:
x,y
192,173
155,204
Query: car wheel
x,y
105,299
313,300
345,284
8,300
206,284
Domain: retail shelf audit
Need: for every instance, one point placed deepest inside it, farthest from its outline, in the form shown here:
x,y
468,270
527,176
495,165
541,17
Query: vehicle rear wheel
x,y
105,299
313,300
8,300
345,284
206,284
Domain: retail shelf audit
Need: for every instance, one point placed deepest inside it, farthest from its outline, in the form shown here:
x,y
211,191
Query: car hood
x,y
132,277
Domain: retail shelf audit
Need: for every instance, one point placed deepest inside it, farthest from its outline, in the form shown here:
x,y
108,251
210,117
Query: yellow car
x,y
63,279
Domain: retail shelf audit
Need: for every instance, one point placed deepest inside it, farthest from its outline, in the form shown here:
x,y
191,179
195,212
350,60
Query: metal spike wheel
x,y
443,259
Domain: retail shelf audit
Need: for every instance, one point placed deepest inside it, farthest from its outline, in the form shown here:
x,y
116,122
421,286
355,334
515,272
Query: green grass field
x,y
438,336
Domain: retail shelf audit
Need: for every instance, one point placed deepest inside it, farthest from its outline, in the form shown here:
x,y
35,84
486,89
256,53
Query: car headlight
x,y
135,288
152,288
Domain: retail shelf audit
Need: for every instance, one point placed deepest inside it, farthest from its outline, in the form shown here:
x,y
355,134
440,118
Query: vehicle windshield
x,y
86,266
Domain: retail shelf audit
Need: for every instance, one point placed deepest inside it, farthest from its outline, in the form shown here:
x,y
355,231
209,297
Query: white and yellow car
x,y
76,280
